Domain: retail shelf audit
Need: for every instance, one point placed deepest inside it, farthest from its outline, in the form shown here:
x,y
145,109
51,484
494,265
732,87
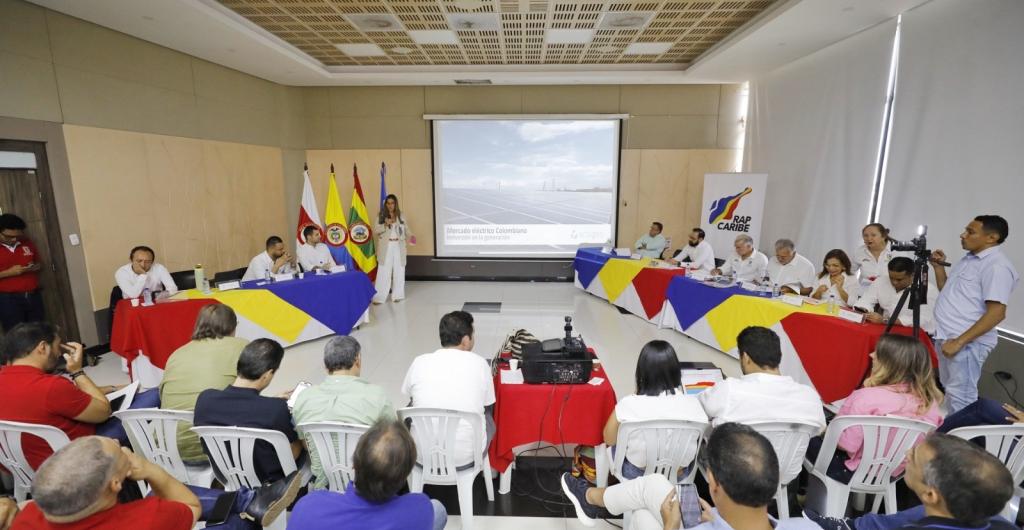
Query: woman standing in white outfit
x,y
392,233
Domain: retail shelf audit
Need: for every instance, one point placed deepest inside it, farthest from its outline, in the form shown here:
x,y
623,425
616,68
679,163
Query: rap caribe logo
x,y
336,235
722,211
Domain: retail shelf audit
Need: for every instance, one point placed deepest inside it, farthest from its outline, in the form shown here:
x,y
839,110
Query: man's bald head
x,y
383,460
76,477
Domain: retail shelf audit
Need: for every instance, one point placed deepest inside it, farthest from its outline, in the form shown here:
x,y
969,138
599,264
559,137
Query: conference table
x,y
288,311
819,349
636,285
527,415
828,352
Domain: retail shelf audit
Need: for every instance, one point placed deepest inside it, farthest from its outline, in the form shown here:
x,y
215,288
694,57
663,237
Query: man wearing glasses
x,y
20,300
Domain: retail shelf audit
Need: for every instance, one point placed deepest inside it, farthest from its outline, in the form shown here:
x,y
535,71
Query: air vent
x,y
474,21
625,20
375,22
473,82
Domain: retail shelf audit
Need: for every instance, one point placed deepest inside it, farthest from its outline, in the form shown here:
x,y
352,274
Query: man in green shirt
x,y
652,244
208,361
342,397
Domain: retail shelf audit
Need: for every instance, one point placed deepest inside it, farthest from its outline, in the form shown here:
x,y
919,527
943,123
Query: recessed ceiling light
x,y
434,36
625,20
568,36
469,5
647,48
474,21
375,22
402,50
361,50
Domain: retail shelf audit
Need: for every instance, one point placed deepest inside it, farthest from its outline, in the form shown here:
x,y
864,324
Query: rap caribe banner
x,y
733,204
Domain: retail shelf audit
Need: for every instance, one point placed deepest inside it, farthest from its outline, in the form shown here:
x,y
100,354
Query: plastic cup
x,y
135,302
513,364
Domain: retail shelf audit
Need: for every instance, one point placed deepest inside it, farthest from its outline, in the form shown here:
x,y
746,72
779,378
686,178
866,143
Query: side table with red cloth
x,y
835,352
556,414
156,330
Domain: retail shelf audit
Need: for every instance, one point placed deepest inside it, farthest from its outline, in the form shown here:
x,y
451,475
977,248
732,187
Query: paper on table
x,y
596,381
512,377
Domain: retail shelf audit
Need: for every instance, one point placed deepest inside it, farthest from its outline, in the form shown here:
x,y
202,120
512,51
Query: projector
x,y
558,361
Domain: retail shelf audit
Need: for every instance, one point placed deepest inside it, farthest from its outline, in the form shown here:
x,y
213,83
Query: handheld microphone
x,y
937,262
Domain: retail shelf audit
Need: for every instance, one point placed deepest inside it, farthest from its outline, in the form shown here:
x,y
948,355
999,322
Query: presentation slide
x,y
524,188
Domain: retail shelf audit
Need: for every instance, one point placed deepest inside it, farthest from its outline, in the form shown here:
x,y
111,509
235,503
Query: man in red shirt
x,y
78,487
31,393
19,275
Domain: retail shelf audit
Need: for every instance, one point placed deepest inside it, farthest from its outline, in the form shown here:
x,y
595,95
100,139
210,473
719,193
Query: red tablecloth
x,y
157,330
651,286
555,414
834,352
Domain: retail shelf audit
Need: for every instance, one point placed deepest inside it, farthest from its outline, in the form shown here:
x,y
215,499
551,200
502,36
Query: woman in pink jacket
x,y
901,383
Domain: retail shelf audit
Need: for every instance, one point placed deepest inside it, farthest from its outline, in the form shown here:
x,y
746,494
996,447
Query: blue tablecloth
x,y
336,300
691,299
588,262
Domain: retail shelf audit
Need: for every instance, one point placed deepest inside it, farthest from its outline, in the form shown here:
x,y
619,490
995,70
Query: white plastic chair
x,y
231,452
12,456
128,392
789,439
334,442
671,446
886,442
436,463
153,434
1005,442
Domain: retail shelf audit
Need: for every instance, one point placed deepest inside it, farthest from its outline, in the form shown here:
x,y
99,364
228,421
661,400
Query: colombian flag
x,y
336,236
360,235
723,208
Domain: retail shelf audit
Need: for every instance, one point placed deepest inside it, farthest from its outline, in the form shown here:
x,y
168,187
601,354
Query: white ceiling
x,y
203,28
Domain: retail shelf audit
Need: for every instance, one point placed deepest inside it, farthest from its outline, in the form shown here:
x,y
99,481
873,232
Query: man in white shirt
x,y
143,273
275,260
792,272
698,253
762,393
652,244
886,292
313,254
454,377
748,263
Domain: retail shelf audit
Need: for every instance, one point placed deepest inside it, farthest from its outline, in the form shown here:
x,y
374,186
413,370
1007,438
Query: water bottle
x,y
200,276
776,290
206,286
267,277
765,286
147,297
831,306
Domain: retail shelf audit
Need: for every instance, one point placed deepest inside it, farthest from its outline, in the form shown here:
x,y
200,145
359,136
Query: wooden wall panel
x,y
193,201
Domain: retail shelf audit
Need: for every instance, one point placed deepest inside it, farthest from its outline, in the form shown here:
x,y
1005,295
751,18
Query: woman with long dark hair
x,y
392,235
837,279
659,396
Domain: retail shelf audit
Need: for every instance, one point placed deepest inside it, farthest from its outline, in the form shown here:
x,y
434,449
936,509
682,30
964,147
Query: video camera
x,y
918,245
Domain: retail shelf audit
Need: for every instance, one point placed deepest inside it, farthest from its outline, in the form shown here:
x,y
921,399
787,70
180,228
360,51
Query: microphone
x,y
937,262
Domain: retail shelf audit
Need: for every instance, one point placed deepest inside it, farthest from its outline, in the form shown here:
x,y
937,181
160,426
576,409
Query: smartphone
x,y
222,508
300,388
689,505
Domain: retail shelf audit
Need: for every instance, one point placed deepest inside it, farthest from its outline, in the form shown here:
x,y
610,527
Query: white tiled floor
x,y
398,332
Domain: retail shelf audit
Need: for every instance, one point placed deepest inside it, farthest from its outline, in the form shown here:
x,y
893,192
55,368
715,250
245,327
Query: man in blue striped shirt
x,y
972,302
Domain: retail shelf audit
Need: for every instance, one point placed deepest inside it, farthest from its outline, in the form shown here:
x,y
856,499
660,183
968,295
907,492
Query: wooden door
x,y
28,194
